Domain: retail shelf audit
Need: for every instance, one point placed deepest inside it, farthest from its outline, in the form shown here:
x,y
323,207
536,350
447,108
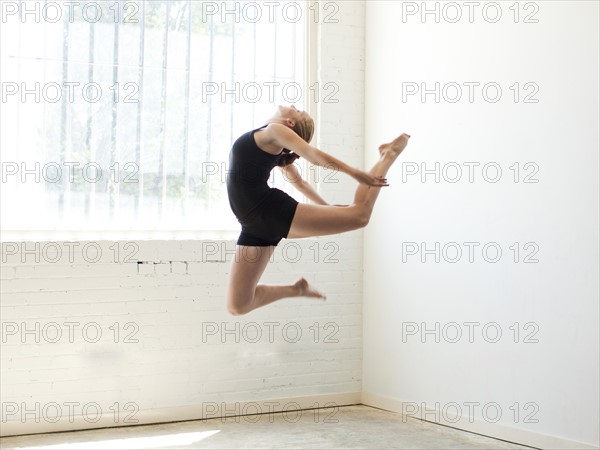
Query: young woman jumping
x,y
268,215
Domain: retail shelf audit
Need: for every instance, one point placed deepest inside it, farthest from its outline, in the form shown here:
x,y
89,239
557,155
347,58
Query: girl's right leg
x,y
321,220
245,294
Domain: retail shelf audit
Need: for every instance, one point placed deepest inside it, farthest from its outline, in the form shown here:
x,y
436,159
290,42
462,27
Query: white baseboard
x,y
208,410
494,430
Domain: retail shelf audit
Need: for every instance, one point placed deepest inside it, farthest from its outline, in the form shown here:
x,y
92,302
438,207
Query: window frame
x,y
311,44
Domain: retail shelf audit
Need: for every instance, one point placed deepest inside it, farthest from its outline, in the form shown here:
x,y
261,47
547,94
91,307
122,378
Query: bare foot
x,y
305,290
396,146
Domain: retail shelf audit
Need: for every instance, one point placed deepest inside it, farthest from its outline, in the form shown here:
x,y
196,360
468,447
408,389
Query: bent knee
x,y
235,310
364,220
238,306
362,216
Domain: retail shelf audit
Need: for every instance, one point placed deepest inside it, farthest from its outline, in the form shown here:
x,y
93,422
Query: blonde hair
x,y
305,129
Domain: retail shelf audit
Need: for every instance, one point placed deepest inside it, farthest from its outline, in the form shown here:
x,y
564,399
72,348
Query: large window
x,y
119,115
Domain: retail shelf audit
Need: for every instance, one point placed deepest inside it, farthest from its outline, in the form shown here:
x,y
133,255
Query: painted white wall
x,y
556,378
186,365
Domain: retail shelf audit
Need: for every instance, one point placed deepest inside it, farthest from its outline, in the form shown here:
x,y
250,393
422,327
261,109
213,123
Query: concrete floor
x,y
349,427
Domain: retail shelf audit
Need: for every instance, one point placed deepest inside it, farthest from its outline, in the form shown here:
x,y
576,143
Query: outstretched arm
x,y
292,175
283,136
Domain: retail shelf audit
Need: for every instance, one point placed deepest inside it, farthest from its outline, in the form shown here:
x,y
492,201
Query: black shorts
x,y
270,222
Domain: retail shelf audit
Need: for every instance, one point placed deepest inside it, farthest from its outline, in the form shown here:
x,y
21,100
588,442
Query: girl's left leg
x,y
244,292
322,220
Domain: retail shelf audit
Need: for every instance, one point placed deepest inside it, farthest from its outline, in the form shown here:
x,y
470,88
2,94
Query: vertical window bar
x,y
209,106
275,55
232,79
44,104
113,185
253,68
90,196
163,115
186,159
62,145
311,80
140,108
17,57
294,45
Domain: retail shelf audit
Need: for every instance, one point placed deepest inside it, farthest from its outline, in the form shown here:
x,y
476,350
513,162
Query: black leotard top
x,y
248,173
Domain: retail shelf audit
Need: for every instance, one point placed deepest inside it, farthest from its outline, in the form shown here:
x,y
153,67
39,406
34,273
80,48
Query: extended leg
x,y
245,294
319,220
366,195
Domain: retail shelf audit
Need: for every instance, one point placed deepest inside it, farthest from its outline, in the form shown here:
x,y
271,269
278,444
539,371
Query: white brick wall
x,y
162,314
